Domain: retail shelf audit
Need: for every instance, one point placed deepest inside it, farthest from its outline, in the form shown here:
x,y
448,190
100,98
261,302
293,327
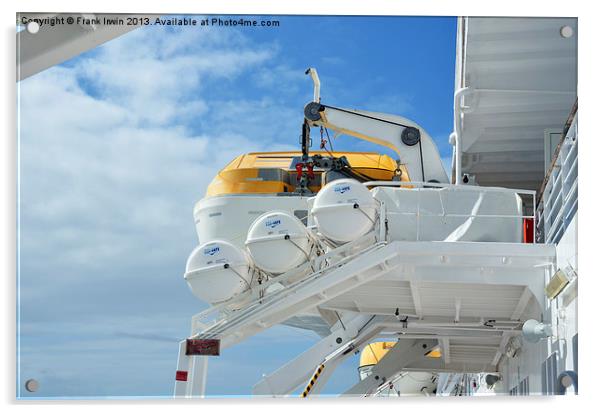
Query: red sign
x,y
181,375
202,347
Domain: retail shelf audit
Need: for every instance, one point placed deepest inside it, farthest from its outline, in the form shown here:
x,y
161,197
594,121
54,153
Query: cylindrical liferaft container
x,y
344,210
217,271
278,242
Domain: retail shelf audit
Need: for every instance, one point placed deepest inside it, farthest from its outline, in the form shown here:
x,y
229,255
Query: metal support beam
x,y
444,343
502,348
183,367
310,294
198,381
191,374
416,299
458,305
522,304
329,368
438,366
293,374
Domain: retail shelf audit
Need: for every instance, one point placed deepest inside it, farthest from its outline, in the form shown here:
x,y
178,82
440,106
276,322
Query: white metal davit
x,y
415,147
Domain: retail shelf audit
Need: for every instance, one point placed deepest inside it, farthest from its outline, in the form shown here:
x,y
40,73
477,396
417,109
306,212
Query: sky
x,y
117,144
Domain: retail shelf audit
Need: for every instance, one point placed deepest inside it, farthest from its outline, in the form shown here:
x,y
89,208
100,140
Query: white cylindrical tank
x,y
344,210
278,241
217,271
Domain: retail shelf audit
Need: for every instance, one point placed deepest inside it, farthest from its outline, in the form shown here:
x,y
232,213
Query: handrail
x,y
565,130
557,198
255,298
427,185
456,135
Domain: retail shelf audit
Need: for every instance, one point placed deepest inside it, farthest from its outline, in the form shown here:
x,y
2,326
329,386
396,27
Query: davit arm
x,y
415,147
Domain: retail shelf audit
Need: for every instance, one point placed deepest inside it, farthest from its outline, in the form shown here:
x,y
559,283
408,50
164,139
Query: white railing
x,y
558,203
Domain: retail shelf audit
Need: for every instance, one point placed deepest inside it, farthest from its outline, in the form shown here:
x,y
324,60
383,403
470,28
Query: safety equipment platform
x,y
466,299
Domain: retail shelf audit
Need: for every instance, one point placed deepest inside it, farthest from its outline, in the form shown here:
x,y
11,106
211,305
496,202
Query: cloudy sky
x,y
117,144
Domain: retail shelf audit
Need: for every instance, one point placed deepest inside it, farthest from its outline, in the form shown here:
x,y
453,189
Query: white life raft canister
x,y
278,242
344,210
217,271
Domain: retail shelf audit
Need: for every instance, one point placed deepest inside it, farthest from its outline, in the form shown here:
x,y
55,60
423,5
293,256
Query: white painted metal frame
x,y
342,343
370,264
316,289
196,368
421,160
329,351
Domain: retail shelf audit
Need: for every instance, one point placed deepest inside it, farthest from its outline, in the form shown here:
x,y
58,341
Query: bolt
x,y
33,28
32,385
339,340
566,382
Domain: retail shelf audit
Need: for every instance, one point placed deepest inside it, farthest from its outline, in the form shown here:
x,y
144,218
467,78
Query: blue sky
x,y
117,144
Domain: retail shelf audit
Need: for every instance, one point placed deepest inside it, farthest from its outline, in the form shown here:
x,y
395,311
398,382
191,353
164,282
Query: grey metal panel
x,y
54,44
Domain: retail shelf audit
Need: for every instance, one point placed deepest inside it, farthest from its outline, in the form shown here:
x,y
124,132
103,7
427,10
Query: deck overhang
x,y
520,82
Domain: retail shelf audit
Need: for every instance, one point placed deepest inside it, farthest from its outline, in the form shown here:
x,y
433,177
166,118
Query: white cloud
x,y
153,72
115,148
333,60
284,79
395,104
